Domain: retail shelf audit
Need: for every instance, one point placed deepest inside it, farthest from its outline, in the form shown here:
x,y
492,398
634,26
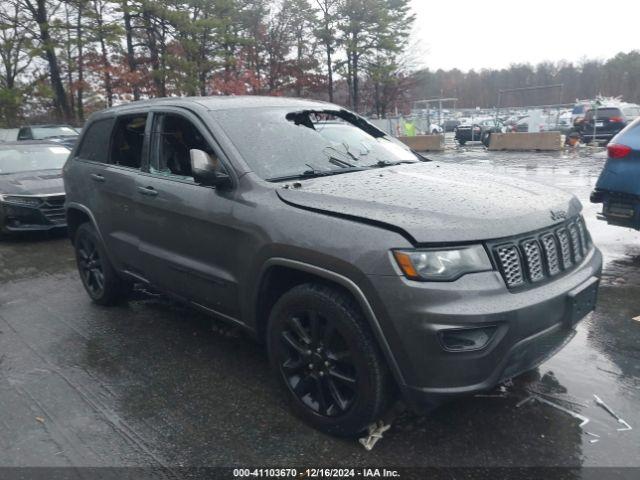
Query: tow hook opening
x,y
466,339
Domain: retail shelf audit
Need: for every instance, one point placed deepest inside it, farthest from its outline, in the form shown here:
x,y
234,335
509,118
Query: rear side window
x,y
95,141
128,140
578,109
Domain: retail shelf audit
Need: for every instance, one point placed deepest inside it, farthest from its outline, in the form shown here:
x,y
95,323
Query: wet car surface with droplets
x,y
153,383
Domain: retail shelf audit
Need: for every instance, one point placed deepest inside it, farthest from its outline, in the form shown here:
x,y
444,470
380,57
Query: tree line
x,y
617,76
63,59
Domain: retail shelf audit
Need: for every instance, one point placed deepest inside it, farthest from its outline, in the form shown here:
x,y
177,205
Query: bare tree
x,y
15,54
40,12
326,33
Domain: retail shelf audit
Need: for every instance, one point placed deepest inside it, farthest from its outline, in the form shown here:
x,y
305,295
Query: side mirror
x,y
207,170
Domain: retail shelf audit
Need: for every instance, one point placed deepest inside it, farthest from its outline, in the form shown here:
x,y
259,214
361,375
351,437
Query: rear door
x,y
111,156
187,230
82,185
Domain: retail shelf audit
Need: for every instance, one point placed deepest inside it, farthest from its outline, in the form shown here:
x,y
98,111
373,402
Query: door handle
x,y
97,178
149,191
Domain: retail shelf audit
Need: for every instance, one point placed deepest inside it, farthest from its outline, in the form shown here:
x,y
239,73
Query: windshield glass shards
x,y
279,144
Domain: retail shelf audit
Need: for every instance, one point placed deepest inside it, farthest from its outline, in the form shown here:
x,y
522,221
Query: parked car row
x,y
589,121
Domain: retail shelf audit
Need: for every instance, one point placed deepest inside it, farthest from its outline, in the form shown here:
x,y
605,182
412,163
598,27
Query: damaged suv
x,y
368,271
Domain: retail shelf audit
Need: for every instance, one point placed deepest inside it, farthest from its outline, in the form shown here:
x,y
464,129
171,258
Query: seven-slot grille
x,y
534,258
53,208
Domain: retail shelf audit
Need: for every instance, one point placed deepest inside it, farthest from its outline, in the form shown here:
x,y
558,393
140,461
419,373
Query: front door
x,y
187,229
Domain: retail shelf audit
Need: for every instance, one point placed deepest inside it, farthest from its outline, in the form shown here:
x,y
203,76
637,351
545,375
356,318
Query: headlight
x,y
18,200
442,264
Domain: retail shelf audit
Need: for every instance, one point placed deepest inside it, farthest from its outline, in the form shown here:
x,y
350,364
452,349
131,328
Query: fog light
x,y
466,339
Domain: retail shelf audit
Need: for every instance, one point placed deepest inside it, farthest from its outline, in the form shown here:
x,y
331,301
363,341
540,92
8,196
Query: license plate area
x,y
581,301
621,210
599,124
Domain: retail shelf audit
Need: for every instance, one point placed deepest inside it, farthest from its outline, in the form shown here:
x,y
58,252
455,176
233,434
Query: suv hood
x,y
41,182
435,202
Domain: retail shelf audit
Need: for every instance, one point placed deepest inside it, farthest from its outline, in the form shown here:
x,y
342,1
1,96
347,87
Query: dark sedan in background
x,y
450,125
31,189
603,124
478,132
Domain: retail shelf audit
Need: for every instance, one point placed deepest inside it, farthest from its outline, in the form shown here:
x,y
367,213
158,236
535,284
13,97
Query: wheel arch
x,y
279,275
78,214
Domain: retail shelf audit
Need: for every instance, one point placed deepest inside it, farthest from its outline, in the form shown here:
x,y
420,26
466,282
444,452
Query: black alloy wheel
x,y
324,354
100,279
316,364
90,266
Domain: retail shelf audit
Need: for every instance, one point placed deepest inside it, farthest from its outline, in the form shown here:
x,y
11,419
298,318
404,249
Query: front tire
x,y
99,278
324,355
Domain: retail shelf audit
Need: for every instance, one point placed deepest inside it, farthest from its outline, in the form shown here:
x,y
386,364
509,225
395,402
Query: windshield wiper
x,y
387,163
315,174
341,163
334,159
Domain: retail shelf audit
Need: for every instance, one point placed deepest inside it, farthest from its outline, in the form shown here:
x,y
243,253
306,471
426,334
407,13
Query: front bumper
x,y
21,218
531,326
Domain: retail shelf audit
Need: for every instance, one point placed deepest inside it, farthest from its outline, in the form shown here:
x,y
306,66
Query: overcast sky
x,y
495,33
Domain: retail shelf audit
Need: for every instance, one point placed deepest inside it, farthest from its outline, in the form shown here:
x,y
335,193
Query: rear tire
x,y
325,356
99,278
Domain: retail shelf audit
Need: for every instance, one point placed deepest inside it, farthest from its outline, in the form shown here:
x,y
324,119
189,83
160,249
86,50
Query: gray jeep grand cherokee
x,y
366,269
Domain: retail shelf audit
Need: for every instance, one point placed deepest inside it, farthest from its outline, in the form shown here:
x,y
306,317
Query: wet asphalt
x,y
153,383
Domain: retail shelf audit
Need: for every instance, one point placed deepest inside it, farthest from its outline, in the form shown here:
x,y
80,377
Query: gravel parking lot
x,y
154,383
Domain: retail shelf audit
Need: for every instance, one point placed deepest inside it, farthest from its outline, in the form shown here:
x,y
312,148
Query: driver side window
x,y
173,138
